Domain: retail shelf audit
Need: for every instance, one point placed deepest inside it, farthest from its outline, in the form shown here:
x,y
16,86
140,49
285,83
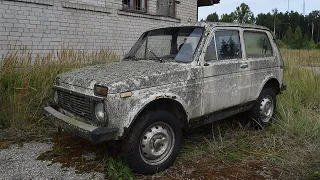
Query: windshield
x,y
169,44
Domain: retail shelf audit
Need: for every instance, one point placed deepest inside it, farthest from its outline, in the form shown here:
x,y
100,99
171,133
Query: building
x,y
44,25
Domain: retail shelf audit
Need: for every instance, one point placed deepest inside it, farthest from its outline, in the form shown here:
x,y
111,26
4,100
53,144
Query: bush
x,y
280,43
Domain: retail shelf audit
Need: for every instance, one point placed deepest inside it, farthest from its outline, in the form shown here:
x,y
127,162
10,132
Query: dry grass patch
x,y
26,84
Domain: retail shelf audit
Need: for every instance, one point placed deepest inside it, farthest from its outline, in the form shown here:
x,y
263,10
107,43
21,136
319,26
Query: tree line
x,y
291,29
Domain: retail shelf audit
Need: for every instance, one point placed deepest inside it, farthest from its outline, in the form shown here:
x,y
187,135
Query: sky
x,y
259,6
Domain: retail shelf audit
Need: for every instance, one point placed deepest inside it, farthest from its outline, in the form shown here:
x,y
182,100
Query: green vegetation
x,y
117,169
242,14
26,84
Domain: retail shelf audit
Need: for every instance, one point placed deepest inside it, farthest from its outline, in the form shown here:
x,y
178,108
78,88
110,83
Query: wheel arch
x,y
273,83
169,104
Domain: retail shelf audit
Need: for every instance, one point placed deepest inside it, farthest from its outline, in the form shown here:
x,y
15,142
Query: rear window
x,y
257,44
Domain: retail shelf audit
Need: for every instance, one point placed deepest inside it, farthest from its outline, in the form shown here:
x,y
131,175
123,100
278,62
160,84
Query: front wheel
x,y
264,109
153,143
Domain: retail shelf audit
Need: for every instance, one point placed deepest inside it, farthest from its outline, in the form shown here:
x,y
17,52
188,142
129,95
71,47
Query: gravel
x,y
21,163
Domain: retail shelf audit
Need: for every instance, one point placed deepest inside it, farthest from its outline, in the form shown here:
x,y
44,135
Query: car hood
x,y
128,75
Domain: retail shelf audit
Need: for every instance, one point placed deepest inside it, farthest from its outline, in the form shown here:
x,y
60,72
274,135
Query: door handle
x,y
244,65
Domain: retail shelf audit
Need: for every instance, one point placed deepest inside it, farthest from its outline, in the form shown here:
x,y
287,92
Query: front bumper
x,y
87,131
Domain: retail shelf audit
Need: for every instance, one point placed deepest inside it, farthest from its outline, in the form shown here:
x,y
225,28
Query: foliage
x,y
312,44
117,169
243,14
213,17
298,39
288,38
280,43
26,83
227,18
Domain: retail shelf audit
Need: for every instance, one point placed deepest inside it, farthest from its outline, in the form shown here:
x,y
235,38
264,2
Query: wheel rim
x,y
266,109
157,143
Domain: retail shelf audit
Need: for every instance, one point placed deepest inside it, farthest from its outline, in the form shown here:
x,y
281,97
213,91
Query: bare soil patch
x,y
72,151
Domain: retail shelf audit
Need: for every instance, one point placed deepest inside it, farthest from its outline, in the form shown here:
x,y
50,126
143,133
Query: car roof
x,y
209,25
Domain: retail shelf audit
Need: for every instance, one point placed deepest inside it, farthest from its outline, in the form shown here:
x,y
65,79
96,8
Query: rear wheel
x,y
153,143
262,114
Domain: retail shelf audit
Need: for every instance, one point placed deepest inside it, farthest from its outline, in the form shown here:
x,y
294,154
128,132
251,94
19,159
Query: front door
x,y
225,81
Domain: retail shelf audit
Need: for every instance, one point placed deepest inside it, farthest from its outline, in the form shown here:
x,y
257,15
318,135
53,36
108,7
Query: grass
x,y
289,149
117,169
26,83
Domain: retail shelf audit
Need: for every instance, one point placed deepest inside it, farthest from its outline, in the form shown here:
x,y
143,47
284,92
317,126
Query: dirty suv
x,y
172,79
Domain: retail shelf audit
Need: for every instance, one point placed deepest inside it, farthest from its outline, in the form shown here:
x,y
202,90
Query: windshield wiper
x,y
152,53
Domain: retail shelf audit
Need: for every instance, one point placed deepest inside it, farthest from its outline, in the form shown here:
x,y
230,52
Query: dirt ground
x,y
71,157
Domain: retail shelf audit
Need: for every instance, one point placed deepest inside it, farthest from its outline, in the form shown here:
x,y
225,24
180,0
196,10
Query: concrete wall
x,y
43,25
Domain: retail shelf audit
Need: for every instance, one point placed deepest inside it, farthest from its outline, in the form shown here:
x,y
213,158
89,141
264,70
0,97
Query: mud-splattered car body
x,y
197,92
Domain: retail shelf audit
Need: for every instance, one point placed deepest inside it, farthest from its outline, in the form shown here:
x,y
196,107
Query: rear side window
x,y
228,44
257,44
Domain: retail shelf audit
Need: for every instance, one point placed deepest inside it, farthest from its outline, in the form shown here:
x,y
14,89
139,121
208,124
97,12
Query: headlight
x,y
55,97
100,91
99,112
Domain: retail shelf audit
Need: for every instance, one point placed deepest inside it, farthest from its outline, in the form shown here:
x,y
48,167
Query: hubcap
x,y
266,109
157,143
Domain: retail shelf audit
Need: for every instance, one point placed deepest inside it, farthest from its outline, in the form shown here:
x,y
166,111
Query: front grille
x,y
77,105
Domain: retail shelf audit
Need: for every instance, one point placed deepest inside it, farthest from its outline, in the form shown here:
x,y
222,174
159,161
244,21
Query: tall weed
x,y
26,83
299,105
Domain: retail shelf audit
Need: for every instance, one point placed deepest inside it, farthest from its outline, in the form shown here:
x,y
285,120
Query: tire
x,y
262,113
153,143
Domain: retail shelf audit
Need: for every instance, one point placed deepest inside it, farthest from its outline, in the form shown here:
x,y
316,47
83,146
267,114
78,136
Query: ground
x,y
20,162
70,157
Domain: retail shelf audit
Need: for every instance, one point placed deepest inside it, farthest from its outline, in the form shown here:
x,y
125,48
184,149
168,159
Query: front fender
x,y
123,111
153,98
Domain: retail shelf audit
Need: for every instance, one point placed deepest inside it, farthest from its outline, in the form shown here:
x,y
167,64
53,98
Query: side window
x,y
257,44
228,44
211,54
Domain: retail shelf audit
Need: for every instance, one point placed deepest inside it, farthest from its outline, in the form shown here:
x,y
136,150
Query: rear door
x,y
261,59
226,82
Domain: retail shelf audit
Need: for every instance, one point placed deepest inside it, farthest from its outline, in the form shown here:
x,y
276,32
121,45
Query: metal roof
x,y
221,24
215,24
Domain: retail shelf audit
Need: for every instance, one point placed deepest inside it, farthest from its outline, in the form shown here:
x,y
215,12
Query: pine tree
x,y
233,48
298,40
288,37
224,49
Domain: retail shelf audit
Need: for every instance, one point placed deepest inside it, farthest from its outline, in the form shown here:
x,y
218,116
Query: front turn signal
x,y
100,91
